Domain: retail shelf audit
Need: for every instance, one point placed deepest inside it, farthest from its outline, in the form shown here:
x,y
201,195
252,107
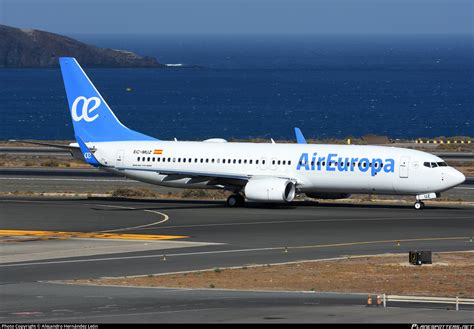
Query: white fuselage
x,y
353,168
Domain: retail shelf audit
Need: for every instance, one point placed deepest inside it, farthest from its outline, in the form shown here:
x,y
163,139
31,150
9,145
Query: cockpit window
x,y
434,164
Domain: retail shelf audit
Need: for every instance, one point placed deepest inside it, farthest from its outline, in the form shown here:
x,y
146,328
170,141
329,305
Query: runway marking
x,y
234,251
312,221
166,218
89,235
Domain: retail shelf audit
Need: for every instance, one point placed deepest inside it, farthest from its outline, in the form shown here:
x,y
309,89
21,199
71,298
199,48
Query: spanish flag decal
x,y
158,152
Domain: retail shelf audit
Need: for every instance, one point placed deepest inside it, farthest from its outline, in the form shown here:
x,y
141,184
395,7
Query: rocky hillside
x,y
33,48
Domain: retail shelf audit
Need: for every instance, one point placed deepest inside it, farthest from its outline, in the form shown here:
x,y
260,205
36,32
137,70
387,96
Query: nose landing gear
x,y
419,205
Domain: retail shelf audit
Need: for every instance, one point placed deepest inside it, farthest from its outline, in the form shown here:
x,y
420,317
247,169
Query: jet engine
x,y
270,189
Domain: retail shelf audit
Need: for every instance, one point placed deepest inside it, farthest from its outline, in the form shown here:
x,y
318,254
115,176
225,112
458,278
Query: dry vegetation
x,y
21,161
184,194
452,274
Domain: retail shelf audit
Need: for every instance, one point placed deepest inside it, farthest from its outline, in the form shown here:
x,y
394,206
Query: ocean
x,y
263,86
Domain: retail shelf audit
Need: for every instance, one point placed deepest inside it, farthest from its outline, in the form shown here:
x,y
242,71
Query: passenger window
x,y
284,162
245,161
289,162
256,161
148,159
212,160
234,161
153,159
263,161
179,159
202,160
138,159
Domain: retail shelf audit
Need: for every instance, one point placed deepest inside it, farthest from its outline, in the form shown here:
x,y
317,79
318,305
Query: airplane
x,y
259,172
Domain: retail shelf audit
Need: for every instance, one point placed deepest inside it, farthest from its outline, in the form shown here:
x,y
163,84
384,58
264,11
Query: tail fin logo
x,y
88,106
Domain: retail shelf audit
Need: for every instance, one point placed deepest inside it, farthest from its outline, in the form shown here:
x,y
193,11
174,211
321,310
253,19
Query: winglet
x,y
88,155
299,136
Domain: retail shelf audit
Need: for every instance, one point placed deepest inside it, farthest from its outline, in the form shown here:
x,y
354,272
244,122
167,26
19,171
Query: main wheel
x,y
235,200
419,205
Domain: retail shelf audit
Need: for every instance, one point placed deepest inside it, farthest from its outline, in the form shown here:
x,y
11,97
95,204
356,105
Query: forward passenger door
x,y
404,165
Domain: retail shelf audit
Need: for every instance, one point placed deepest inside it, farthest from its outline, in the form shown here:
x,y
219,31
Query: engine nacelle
x,y
270,189
327,195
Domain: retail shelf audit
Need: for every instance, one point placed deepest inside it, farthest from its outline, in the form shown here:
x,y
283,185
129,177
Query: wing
x,y
202,176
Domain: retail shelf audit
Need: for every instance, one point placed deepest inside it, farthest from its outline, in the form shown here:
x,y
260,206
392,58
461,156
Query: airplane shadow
x,y
170,204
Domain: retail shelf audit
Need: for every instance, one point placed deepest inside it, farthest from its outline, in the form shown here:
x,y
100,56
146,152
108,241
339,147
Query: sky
x,y
241,16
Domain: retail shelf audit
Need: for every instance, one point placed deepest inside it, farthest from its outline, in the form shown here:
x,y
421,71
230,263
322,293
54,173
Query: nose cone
x,y
457,177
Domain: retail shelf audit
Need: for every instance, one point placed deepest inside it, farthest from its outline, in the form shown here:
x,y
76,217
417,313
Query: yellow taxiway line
x,y
89,235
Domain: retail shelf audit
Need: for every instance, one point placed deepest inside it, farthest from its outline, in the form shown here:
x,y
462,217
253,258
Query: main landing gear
x,y
235,200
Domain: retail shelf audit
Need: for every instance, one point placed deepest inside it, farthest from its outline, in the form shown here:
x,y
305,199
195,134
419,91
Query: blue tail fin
x,y
92,118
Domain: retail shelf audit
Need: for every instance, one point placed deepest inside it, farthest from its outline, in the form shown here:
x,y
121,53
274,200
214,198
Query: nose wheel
x,y
235,200
419,205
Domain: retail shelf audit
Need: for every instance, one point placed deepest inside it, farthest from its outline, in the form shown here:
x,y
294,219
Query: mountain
x,y
34,48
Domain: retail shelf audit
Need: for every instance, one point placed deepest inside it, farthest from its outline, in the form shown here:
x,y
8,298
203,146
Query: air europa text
x,y
332,162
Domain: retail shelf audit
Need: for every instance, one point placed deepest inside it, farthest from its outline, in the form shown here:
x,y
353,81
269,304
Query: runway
x,y
204,234
69,180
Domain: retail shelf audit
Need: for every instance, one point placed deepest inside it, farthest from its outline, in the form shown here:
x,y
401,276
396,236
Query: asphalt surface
x,y
67,180
257,234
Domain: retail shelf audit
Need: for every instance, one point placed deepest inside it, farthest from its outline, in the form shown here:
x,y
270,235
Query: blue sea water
x,y
263,86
